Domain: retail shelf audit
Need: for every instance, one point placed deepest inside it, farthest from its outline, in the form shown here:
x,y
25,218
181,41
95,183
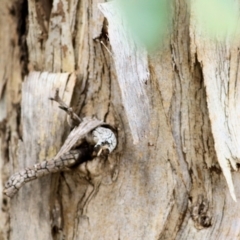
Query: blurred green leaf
x,y
218,18
148,20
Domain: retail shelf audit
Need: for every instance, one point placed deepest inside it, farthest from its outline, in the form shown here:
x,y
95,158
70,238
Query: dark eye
x,y
104,143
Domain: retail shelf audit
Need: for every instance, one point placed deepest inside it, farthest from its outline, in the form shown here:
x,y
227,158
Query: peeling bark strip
x,y
132,71
40,118
220,70
224,115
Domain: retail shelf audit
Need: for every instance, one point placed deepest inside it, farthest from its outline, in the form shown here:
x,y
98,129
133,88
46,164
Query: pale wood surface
x,y
219,61
132,72
40,118
148,190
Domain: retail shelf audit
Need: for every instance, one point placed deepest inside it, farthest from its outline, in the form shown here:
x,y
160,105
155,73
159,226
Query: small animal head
x,y
104,139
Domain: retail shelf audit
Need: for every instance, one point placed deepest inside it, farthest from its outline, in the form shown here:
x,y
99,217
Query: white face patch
x,y
105,138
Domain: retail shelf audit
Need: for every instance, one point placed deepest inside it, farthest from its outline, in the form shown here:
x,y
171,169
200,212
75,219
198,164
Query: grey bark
x,y
163,181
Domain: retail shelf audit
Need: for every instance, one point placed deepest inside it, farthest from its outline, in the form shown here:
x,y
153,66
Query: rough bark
x,y
164,180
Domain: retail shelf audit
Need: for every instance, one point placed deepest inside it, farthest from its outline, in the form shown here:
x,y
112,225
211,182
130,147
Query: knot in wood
x,y
200,214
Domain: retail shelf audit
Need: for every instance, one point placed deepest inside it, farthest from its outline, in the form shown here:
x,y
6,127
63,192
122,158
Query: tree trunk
x,y
175,114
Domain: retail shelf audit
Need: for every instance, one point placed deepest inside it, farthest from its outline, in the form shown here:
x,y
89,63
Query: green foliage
x,y
217,18
148,20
